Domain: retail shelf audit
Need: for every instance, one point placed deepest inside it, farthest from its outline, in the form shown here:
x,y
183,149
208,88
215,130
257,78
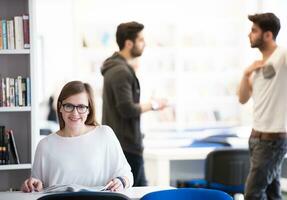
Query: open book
x,y
73,188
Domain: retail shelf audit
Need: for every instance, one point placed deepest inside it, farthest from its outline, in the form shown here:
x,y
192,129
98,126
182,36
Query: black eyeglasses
x,y
68,107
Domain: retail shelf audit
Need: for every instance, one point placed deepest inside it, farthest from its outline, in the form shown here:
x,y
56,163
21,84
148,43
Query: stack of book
x,y
8,149
15,91
14,33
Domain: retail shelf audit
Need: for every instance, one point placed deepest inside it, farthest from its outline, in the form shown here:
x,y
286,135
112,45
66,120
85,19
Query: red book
x,y
26,32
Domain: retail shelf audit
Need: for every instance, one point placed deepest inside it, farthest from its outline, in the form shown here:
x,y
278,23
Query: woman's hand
x,y
32,184
115,185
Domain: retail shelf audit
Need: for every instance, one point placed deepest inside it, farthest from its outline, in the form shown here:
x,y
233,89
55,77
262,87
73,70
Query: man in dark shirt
x,y
121,96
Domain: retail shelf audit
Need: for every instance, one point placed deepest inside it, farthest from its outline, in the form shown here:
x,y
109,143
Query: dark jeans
x,y
266,157
137,164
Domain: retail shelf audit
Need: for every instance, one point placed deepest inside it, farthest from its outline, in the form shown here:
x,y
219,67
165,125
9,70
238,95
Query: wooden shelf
x,y
15,109
15,167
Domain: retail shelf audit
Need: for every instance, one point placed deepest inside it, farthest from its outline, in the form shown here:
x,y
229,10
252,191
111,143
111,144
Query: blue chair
x,y
225,170
218,140
85,196
187,194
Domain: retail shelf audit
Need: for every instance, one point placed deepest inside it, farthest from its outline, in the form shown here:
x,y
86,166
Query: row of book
x,y
14,33
15,92
8,149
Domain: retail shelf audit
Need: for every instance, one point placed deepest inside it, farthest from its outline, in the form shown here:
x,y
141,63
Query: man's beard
x,y
135,52
258,43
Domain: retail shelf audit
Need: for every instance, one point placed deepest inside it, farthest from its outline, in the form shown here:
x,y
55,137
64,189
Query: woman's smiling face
x,y
75,110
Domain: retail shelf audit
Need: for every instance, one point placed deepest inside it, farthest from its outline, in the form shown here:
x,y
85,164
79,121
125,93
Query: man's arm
x,y
155,104
122,88
245,87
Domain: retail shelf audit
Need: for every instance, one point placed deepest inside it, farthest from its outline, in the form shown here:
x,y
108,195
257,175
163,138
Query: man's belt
x,y
268,135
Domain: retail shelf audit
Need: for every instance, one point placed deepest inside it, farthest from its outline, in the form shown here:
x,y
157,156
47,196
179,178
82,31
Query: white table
x,y
134,193
157,162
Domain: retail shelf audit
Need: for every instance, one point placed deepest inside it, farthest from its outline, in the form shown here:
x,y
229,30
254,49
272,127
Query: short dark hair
x,y
128,31
72,88
267,22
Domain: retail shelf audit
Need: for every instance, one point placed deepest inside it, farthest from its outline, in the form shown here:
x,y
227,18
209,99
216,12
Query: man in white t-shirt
x,y
266,81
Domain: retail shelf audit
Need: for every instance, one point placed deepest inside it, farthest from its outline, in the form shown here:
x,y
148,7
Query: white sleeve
x,y
37,164
119,162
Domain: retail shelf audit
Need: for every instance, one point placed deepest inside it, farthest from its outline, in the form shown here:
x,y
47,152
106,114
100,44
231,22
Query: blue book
x,y
4,34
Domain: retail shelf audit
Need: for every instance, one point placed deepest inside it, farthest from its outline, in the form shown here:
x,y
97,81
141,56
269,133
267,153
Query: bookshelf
x,y
21,119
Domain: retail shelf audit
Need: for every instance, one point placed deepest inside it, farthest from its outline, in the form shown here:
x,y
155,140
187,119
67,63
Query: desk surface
x,y
134,193
157,162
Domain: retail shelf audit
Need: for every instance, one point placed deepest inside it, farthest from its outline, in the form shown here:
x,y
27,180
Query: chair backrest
x,y
187,194
227,166
284,167
85,196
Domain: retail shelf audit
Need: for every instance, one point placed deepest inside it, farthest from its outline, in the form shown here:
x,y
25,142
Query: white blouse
x,y
92,159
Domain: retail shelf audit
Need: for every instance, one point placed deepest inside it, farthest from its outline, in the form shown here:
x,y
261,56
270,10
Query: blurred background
x,y
195,54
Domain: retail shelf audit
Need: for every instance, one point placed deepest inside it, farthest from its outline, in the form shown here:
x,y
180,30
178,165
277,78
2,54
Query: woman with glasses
x,y
82,152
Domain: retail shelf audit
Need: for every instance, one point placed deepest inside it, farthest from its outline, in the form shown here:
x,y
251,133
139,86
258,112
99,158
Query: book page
x,y
72,188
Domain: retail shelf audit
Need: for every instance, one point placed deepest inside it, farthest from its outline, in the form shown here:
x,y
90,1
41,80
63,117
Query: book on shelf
x,y
12,147
15,92
3,96
1,93
12,91
8,148
26,32
15,32
2,129
10,34
4,154
24,91
19,93
1,37
7,87
28,91
4,33
19,40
